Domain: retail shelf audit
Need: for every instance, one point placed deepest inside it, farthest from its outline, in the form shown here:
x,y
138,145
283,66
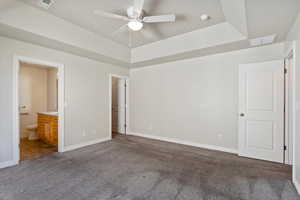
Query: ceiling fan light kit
x,y
204,17
135,25
136,16
135,19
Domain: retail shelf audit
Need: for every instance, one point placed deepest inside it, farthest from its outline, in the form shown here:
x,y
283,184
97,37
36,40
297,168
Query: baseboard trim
x,y
7,164
85,144
194,144
297,186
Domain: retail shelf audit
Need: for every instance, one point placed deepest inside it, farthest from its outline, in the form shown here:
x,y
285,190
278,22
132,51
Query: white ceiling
x,y
260,18
232,23
267,17
188,14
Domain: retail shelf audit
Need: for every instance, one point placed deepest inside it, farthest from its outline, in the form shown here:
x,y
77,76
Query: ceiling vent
x,y
45,3
263,40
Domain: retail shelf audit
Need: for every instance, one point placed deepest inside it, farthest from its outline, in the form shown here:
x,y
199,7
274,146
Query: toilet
x,y
32,132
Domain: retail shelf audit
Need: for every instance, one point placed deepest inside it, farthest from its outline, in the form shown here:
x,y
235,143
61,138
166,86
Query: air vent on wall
x,y
263,40
46,3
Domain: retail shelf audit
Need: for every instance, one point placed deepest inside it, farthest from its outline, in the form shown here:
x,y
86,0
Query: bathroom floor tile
x,y
31,149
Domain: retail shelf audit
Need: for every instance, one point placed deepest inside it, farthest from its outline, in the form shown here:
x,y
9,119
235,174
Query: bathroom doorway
x,y
38,110
119,105
38,100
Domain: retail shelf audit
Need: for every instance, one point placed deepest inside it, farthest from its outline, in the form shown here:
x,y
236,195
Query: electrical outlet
x,y
84,133
94,132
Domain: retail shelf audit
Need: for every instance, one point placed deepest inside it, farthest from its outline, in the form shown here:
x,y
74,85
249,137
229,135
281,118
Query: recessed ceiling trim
x,y
188,18
212,36
25,36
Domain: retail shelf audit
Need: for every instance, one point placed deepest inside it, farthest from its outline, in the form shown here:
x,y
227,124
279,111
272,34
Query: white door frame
x,y
289,116
16,117
291,52
110,102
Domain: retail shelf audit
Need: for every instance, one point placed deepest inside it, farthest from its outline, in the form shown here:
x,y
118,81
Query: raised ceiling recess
x,y
188,17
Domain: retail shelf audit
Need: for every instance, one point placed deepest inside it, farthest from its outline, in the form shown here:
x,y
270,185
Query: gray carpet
x,y
137,168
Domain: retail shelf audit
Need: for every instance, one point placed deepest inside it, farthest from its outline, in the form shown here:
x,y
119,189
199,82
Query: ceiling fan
x,y
136,16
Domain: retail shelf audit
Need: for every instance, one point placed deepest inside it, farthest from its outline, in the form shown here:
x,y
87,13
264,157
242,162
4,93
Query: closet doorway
x,y
119,105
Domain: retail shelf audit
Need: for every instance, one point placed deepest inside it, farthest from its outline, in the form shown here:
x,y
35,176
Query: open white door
x,y
261,108
119,105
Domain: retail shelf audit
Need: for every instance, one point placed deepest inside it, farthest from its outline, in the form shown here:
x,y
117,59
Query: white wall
x,y
52,89
86,94
32,94
194,101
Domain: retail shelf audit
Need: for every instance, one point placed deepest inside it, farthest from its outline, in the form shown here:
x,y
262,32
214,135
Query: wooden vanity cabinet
x,y
48,129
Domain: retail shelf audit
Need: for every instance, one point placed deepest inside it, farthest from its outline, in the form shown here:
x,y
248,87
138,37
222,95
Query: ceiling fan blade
x,y
138,6
159,18
110,15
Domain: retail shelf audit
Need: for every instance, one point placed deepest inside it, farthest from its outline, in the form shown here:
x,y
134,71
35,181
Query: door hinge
x,y
125,125
285,70
284,147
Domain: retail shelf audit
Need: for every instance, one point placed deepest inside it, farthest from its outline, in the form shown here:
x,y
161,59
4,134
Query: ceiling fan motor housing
x,y
134,14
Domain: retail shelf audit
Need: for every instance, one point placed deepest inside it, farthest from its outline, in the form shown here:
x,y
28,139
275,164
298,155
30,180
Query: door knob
x,y
242,114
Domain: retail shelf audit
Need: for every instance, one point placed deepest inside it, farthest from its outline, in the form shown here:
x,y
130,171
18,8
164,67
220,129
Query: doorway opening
x,y
119,105
38,94
38,108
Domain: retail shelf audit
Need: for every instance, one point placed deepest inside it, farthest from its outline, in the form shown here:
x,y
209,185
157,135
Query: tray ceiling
x,y
188,14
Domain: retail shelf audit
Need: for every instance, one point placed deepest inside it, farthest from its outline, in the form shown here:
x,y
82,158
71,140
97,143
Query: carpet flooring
x,y
134,168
